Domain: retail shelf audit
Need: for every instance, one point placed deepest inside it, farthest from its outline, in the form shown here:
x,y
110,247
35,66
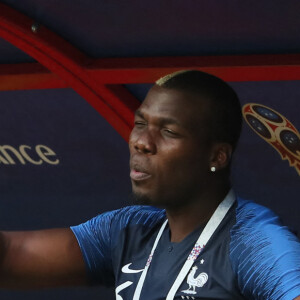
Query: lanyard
x,y
204,237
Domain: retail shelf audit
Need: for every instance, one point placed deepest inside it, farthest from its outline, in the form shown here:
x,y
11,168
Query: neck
x,y
183,220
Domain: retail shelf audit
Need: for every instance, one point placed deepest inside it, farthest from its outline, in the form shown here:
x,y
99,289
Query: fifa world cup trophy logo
x,y
275,129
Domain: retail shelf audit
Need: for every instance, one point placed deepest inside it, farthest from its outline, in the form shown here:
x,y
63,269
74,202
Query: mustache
x,y
138,165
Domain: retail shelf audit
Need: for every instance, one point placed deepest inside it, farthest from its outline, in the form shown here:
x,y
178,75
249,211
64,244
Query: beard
x,y
174,201
140,199
158,202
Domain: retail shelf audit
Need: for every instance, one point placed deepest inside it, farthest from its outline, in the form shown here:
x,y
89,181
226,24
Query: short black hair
x,y
226,118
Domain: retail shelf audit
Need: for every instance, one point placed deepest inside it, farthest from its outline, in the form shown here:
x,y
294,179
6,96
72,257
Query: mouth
x,y
139,174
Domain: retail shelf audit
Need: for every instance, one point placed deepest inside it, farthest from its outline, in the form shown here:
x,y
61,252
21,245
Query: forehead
x,y
184,107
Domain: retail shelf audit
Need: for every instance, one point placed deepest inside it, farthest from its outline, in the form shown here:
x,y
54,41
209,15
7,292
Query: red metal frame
x,y
147,70
100,81
66,62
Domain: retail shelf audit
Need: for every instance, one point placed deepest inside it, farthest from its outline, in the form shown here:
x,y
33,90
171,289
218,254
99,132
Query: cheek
x,y
177,166
132,138
188,164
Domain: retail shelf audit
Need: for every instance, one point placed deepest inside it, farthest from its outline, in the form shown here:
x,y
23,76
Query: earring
x,y
213,169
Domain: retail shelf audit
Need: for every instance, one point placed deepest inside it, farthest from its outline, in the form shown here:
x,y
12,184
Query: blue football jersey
x,y
249,256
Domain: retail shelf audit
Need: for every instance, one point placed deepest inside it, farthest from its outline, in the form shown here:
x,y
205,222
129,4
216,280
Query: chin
x,y
141,199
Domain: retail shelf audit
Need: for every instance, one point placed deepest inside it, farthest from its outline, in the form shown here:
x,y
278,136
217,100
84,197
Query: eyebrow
x,y
138,113
162,120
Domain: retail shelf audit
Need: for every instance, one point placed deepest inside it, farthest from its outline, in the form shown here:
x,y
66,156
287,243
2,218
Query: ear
x,y
220,156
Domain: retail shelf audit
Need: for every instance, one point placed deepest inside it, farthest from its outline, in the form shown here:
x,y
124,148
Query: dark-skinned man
x,y
190,237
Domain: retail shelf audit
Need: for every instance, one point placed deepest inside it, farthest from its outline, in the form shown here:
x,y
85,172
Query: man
x,y
196,240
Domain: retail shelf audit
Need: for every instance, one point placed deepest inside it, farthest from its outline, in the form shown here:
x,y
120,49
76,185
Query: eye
x,y
139,124
170,133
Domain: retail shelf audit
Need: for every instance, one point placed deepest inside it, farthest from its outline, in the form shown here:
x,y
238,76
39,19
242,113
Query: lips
x,y
138,173
139,176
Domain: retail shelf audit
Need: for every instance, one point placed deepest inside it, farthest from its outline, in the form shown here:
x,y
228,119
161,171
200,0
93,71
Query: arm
x,y
40,259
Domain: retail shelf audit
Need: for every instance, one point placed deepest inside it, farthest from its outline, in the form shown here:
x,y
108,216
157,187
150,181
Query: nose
x,y
143,142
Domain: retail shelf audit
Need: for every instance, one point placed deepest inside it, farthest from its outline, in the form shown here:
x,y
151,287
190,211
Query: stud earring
x,y
213,169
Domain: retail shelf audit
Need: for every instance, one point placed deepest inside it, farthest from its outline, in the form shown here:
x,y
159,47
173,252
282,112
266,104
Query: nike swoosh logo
x,y
126,269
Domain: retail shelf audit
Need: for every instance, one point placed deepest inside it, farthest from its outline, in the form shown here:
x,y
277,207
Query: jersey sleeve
x,y
94,239
265,255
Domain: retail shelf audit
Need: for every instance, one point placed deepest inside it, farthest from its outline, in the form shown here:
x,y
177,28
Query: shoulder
x,y
256,223
103,225
137,214
99,235
125,217
264,253
250,215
